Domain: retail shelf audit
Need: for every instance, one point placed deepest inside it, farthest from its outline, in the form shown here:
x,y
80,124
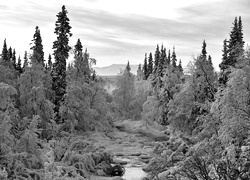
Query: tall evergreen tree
x,y
61,54
19,65
4,51
7,56
223,64
25,63
209,60
157,58
169,57
145,68
240,34
49,63
37,47
150,64
180,67
236,43
78,48
162,57
13,59
174,60
10,54
232,50
204,51
232,57
166,61
161,64
205,77
210,66
128,68
81,62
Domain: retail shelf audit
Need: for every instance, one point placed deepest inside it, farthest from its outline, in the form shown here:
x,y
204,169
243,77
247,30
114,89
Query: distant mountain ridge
x,y
114,69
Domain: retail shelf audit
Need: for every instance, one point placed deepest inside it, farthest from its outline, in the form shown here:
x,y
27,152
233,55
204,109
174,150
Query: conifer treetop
x,y
128,69
78,46
62,30
4,51
145,67
157,58
204,51
174,58
180,66
150,64
38,54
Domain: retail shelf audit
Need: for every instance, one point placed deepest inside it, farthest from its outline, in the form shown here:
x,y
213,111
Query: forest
x,y
51,111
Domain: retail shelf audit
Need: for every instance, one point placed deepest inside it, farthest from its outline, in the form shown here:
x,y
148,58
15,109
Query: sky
x,y
115,31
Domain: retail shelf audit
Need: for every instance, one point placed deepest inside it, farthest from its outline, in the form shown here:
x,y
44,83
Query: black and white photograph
x,y
125,90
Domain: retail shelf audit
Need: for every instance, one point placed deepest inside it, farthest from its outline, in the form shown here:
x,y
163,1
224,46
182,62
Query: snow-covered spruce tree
x,y
150,64
195,95
82,62
180,68
173,58
7,71
232,50
61,54
165,81
5,58
156,58
49,63
4,54
13,59
25,61
37,47
19,66
145,67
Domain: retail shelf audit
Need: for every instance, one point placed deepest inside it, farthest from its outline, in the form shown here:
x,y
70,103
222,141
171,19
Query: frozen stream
x,y
133,170
134,173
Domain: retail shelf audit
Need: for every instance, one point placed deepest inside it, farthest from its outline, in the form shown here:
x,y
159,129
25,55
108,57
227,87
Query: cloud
x,y
133,34
28,14
130,34
3,7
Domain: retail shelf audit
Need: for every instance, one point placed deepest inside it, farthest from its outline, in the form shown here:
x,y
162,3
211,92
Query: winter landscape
x,y
128,90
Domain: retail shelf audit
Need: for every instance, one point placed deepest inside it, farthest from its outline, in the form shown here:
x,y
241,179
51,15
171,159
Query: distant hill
x,y
114,69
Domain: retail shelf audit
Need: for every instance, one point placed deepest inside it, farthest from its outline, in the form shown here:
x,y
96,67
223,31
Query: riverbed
x,y
131,144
